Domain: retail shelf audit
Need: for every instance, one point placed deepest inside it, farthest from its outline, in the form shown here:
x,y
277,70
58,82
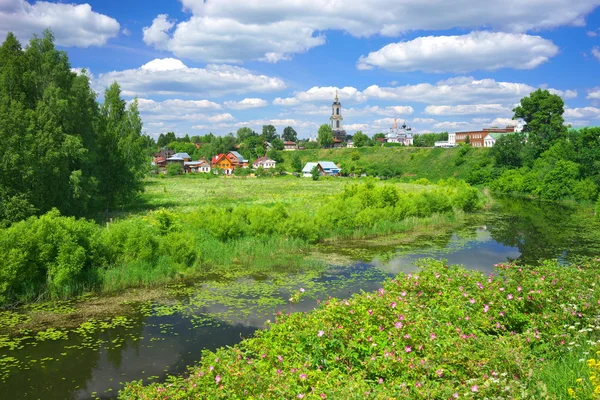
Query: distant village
x,y
398,135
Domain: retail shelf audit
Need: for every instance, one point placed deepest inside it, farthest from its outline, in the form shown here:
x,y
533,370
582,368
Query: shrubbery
x,y
56,256
442,333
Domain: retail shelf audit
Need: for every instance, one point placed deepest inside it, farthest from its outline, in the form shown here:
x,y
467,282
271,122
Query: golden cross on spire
x,y
336,95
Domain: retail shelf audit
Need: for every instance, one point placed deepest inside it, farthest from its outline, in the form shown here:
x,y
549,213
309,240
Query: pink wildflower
x,y
401,317
472,301
393,305
301,290
300,396
303,376
509,297
474,388
280,358
433,336
380,381
218,378
323,396
398,325
455,395
370,312
408,349
485,308
321,333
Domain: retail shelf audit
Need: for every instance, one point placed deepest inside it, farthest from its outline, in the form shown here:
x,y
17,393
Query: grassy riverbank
x,y
189,227
443,333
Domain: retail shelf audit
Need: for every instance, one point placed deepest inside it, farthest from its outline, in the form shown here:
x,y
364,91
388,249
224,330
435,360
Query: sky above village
x,y
218,65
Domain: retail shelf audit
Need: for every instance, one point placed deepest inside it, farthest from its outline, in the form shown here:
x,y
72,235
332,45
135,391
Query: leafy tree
x,y
360,139
122,158
277,144
325,136
507,150
468,140
165,139
269,133
244,133
543,113
296,162
289,134
174,168
315,173
275,155
379,136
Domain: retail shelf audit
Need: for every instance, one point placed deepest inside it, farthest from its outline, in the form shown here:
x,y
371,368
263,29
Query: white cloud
x,y
596,52
327,93
467,109
592,33
584,112
474,51
157,34
273,30
72,24
502,122
355,127
290,101
594,94
171,77
565,94
246,104
459,90
452,125
221,118
424,121
175,108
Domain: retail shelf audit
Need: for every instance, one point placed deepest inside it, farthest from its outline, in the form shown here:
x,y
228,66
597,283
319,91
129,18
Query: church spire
x,y
336,96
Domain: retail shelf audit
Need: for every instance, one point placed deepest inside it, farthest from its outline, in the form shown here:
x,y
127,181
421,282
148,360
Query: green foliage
x,y
296,162
543,113
275,155
360,139
269,133
315,173
51,255
59,149
289,134
429,139
435,334
325,136
174,169
508,150
597,209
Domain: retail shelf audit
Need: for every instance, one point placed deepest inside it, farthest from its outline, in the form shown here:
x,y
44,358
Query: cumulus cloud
x,y
175,109
474,51
584,112
221,118
172,77
459,90
596,52
467,109
424,121
289,101
72,24
565,94
594,94
452,125
273,30
246,104
356,127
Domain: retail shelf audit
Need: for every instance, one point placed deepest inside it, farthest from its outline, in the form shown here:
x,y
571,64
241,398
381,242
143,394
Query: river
x,y
163,337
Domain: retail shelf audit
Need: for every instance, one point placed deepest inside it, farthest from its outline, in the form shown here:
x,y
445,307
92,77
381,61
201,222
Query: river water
x,y
164,337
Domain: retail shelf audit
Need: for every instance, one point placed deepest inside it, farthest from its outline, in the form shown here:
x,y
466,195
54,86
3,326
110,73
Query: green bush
x,y
174,169
49,255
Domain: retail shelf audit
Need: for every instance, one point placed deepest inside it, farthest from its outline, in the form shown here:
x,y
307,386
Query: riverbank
x,y
262,234
440,333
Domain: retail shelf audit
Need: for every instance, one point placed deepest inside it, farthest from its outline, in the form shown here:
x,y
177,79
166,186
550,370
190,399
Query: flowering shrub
x,y
443,333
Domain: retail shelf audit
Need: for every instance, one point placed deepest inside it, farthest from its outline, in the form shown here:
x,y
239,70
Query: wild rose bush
x,y
442,333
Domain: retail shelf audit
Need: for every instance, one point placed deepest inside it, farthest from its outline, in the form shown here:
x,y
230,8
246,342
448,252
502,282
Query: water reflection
x,y
215,314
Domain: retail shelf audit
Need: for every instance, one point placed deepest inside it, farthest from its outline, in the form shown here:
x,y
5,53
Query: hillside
x,y
412,162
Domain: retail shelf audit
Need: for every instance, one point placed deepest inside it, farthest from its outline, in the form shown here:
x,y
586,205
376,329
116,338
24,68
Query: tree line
x,y
59,147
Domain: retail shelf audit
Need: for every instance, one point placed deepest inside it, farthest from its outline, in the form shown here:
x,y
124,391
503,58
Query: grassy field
x,y
413,162
185,193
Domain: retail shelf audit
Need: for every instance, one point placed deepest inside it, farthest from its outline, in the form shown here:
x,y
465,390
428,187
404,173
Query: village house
x,y
350,144
476,138
200,166
337,144
325,168
290,146
264,162
220,161
237,160
183,156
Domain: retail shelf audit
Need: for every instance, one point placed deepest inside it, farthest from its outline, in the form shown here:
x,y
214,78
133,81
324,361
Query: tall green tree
x,y
269,133
360,139
325,136
122,155
543,113
508,150
289,134
296,162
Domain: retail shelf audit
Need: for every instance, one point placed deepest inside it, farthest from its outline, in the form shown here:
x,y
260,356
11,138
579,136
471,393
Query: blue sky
x,y
217,65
